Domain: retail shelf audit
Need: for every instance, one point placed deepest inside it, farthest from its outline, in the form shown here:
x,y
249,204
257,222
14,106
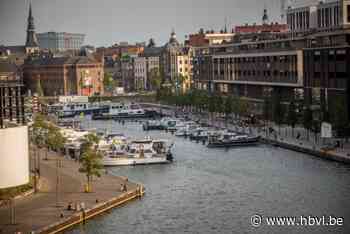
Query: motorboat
x,y
70,110
152,125
141,152
123,111
232,140
187,129
200,134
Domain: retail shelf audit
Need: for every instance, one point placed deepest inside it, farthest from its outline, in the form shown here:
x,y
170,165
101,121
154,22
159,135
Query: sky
x,y
106,22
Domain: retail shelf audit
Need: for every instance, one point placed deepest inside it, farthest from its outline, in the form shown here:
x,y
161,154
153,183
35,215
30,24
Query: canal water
x,y
217,190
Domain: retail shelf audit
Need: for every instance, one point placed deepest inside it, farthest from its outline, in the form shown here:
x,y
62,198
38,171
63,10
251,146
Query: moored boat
x,y
124,111
70,110
232,140
152,125
138,153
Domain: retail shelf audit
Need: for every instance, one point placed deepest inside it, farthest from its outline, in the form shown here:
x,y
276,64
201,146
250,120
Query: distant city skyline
x,y
132,21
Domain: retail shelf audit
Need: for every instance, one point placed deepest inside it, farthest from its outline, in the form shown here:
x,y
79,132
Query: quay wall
x,y
84,215
329,155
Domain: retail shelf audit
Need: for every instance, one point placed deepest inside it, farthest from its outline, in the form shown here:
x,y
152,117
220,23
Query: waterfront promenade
x,y
282,136
45,212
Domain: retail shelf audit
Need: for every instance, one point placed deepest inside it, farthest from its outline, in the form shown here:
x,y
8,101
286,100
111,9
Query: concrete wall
x,y
14,157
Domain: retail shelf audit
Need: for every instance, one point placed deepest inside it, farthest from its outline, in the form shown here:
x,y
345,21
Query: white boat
x,y
69,110
187,129
121,110
138,153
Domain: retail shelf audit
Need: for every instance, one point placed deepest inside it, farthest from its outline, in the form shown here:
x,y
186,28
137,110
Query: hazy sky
x,y
108,21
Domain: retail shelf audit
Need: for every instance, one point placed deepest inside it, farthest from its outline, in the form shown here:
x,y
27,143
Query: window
x,y
341,55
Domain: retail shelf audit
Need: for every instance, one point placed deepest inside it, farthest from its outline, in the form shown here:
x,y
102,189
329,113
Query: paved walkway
x,y
40,210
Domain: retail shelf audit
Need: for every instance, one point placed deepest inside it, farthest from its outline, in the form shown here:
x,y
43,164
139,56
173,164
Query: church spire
x,y
31,36
265,18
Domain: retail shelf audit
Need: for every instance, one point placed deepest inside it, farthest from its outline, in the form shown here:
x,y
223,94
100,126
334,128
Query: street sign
x,y
326,130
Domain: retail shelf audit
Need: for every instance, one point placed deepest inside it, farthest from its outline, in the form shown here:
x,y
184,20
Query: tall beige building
x,y
185,68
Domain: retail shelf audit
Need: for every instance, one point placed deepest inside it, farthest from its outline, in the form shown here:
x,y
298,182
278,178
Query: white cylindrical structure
x,y
14,157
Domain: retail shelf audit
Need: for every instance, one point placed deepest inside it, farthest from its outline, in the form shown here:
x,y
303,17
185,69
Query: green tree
x,y
91,140
156,80
315,128
278,111
39,88
243,107
235,106
292,118
228,109
339,117
91,165
55,139
211,107
267,112
307,120
108,81
90,159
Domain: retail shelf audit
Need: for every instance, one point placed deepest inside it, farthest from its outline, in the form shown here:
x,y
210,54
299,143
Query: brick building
x,y
80,75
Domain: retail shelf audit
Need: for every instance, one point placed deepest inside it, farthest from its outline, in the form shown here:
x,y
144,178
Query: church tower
x,y
32,44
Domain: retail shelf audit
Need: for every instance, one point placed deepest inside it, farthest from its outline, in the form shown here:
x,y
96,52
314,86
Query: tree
x,y
292,118
339,117
278,111
55,139
228,108
211,106
307,120
156,80
235,106
267,112
242,107
179,84
90,159
108,81
91,165
315,128
90,140
39,88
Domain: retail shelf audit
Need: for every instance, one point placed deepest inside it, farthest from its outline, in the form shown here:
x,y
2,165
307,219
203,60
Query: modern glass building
x,y
60,41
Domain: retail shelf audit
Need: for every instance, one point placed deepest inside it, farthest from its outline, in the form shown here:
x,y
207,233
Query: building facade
x,y
60,41
14,150
146,66
314,66
185,68
318,16
64,76
140,71
169,58
11,95
326,81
